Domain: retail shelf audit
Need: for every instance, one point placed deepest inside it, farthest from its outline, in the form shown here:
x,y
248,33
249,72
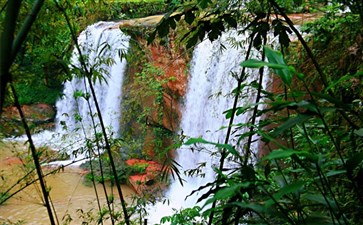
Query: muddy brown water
x,y
70,196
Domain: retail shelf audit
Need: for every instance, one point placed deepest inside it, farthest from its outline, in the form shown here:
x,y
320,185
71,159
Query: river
x,y
68,193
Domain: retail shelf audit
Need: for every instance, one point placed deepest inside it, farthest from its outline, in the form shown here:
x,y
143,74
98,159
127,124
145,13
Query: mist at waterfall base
x,y
208,96
101,46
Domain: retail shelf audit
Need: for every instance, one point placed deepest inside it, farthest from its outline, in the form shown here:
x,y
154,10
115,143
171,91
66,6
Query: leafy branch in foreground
x,y
312,166
296,182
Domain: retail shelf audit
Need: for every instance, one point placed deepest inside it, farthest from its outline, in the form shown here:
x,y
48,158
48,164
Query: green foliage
x,y
312,168
325,29
140,8
106,175
30,94
292,6
143,103
46,52
138,168
3,196
276,62
329,35
310,175
307,178
208,19
188,216
124,171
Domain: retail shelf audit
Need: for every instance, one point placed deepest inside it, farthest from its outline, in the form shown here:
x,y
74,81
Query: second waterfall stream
x,y
213,71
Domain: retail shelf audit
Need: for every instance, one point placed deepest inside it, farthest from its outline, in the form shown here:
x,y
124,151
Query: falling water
x,y
208,96
102,45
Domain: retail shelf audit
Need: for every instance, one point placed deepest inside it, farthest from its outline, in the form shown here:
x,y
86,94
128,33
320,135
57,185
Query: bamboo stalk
x,y
6,42
35,158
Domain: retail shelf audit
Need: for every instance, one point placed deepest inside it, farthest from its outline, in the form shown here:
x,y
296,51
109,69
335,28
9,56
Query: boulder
x,y
146,182
38,116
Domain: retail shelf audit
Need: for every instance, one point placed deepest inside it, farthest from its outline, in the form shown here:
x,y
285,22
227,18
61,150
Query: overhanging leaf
x,y
192,41
276,57
269,138
359,132
335,172
251,206
281,154
343,79
290,188
204,3
287,189
253,63
301,118
229,148
324,200
230,20
228,192
228,113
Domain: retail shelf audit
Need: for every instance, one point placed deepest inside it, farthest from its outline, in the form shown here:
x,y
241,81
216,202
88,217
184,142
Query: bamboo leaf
x,y
228,192
252,206
301,118
281,154
229,148
253,63
333,100
276,57
318,218
289,188
342,79
359,132
228,113
335,172
268,138
324,200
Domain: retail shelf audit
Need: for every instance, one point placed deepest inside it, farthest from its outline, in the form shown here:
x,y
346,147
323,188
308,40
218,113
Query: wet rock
x,y
38,116
146,182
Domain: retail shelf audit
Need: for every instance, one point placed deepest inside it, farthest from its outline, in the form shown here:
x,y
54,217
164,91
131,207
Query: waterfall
x,y
101,45
208,96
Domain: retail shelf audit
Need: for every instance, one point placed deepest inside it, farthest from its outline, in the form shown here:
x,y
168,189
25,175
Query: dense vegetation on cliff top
x,y
42,60
310,170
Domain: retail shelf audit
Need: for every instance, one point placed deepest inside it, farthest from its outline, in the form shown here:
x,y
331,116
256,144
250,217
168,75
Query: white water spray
x,y
102,45
208,96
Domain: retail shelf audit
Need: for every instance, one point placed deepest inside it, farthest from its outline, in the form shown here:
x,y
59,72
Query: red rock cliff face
x,y
172,62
